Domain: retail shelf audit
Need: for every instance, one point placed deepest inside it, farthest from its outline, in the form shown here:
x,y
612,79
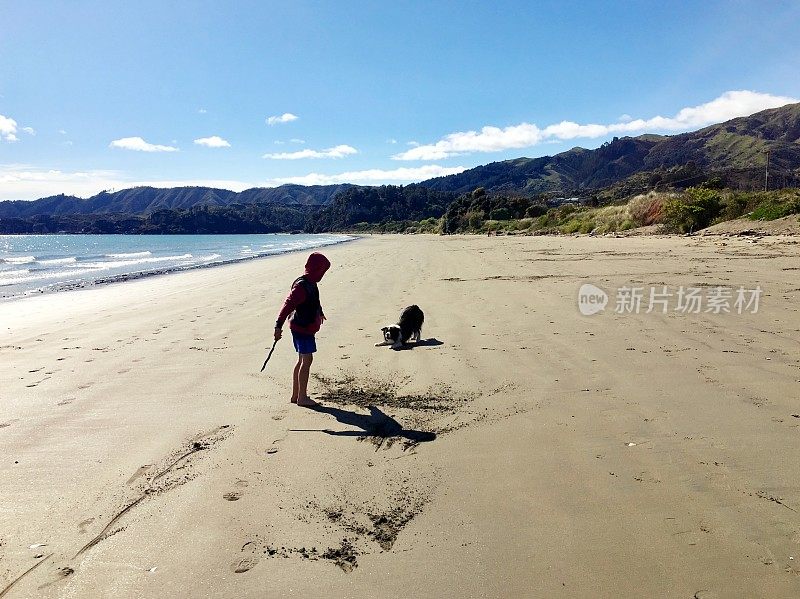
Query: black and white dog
x,y
409,327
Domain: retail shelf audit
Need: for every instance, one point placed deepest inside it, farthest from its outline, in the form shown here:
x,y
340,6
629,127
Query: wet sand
x,y
522,450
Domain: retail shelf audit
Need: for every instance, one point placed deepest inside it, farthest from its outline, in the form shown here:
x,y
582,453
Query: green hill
x,y
735,151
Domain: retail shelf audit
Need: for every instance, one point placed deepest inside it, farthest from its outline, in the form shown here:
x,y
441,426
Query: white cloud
x,y
139,145
62,132
391,140
297,140
286,117
25,182
201,111
412,143
215,141
8,128
373,176
729,105
29,130
336,152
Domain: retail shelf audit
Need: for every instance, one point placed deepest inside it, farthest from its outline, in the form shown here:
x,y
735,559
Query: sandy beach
x,y
522,450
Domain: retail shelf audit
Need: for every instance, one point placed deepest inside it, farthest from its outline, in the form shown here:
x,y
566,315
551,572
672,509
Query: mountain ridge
x,y
146,200
734,151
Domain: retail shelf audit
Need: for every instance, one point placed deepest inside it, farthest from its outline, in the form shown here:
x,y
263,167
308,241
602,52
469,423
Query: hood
x,y
316,266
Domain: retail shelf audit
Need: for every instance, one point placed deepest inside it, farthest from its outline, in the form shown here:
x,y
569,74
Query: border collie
x,y
409,327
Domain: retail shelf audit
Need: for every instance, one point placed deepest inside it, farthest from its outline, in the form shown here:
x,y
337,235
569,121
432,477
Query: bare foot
x,y
307,402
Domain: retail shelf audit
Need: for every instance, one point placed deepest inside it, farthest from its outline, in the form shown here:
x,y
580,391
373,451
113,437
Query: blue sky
x,y
105,94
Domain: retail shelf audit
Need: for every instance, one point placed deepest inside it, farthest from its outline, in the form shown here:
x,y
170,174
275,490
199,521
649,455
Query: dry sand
x,y
788,225
525,450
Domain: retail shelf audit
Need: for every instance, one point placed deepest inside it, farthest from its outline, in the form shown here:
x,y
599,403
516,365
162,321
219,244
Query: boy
x,y
306,317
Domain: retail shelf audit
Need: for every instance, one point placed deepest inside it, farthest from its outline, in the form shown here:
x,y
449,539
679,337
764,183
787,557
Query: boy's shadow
x,y
431,342
375,424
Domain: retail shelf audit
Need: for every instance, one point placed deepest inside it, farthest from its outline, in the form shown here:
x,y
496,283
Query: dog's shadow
x,y
431,342
375,424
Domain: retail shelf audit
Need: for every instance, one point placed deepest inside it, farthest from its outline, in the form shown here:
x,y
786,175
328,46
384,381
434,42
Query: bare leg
x,y
296,378
302,381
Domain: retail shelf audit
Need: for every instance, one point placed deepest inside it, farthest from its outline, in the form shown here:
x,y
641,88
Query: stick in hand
x,y
270,355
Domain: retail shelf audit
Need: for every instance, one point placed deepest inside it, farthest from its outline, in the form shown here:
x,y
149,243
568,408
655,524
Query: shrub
x,y
475,219
736,205
608,218
693,210
429,225
500,214
564,211
776,207
522,224
647,209
572,226
535,210
768,211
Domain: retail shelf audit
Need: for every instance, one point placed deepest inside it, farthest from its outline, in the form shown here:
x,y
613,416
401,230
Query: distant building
x,y
574,201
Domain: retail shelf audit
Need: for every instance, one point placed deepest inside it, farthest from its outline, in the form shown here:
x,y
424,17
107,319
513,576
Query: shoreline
x,y
127,277
734,228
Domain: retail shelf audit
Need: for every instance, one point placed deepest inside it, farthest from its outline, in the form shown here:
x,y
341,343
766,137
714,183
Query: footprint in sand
x,y
273,449
82,525
232,496
60,574
244,564
66,401
37,382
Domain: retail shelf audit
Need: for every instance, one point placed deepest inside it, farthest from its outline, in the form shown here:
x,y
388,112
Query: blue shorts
x,y
304,344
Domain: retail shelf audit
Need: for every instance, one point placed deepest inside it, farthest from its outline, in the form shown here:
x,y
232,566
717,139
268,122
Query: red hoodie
x,y
316,266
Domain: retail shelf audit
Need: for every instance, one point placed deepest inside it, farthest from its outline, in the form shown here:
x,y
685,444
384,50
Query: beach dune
x,y
522,450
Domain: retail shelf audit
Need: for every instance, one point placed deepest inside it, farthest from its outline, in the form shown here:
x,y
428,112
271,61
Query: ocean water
x,y
41,263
